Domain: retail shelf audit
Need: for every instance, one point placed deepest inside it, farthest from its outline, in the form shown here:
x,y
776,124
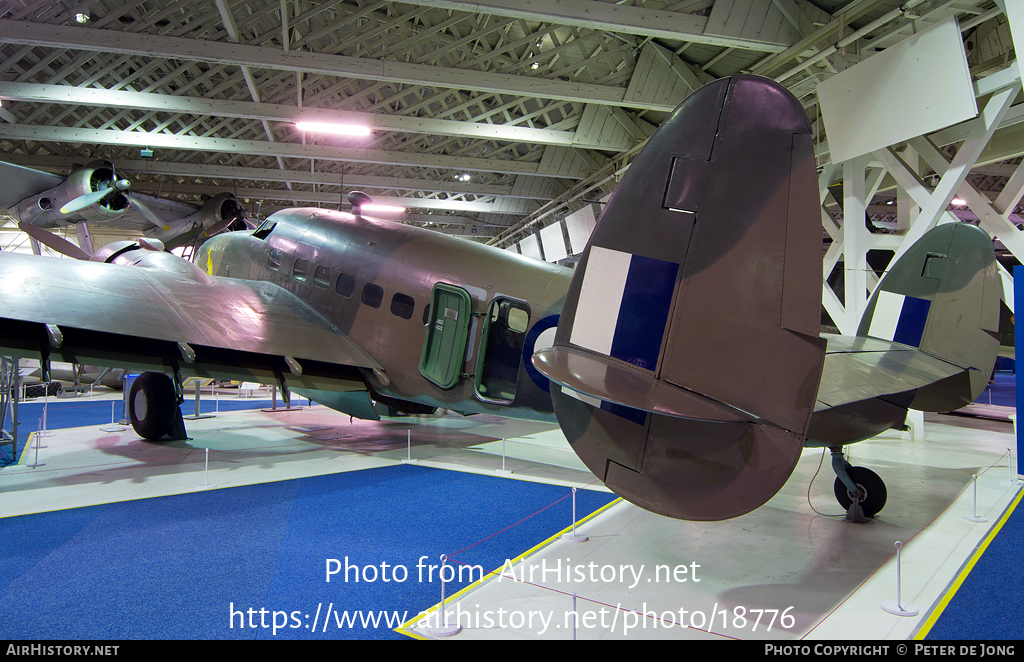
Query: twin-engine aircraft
x,y
682,358
97,194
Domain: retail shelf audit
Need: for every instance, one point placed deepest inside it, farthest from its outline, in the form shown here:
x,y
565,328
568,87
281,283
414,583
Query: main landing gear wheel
x,y
870,483
152,405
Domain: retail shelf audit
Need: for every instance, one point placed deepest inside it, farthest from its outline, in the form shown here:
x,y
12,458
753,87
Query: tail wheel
x,y
870,483
151,405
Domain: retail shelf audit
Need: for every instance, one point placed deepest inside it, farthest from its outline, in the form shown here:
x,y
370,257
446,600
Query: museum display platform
x,y
799,572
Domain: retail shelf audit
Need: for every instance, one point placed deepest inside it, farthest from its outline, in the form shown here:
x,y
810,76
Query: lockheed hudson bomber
x,y
682,358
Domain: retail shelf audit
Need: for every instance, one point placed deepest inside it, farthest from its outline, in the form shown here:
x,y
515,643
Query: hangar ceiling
x,y
490,118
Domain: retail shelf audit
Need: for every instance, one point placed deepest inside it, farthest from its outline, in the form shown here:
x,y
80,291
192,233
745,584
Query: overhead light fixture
x,y
535,65
394,209
81,18
958,202
464,177
336,129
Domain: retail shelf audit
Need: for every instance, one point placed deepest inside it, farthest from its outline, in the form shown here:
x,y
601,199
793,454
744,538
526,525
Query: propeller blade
x,y
147,213
83,201
218,227
51,240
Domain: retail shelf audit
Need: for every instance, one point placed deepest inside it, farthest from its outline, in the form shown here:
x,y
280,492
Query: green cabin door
x,y
444,344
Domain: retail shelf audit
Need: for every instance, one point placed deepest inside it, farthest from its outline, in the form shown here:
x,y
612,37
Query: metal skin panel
x,y
612,381
726,190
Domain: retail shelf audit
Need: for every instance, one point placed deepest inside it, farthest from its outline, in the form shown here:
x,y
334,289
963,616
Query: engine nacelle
x,y
219,208
209,219
44,209
138,254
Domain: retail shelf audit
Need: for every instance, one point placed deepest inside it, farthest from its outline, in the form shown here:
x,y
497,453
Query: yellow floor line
x,y
405,627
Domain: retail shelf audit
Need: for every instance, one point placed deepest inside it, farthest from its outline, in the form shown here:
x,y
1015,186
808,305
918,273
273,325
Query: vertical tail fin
x,y
687,350
942,296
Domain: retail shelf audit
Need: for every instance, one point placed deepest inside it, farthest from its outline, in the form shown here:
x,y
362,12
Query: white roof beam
x,y
519,208
241,55
351,180
611,17
66,94
264,148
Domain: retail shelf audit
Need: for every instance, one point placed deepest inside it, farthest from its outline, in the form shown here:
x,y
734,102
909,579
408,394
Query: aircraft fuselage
x,y
374,280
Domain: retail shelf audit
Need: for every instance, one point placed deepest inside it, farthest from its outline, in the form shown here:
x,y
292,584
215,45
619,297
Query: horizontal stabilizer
x,y
604,379
858,369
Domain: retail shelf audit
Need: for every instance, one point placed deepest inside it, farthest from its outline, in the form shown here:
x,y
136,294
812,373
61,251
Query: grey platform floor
x,y
800,570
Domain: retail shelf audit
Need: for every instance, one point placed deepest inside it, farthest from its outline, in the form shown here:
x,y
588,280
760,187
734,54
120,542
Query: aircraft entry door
x,y
444,344
501,350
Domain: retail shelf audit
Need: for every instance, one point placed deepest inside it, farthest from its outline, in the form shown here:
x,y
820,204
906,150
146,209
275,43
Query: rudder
x,y
687,352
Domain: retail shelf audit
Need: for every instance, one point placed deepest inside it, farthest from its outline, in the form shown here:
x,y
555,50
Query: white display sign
x,y
920,85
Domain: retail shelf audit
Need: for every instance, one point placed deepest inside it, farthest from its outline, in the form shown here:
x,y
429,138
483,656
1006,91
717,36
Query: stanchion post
x,y
574,537
37,463
898,607
975,518
443,629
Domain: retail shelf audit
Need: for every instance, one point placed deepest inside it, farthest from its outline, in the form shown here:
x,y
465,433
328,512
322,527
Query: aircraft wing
x,y
862,368
171,321
21,182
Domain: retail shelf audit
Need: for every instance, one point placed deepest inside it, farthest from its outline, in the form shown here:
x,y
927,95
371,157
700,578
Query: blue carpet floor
x,y
203,565
987,605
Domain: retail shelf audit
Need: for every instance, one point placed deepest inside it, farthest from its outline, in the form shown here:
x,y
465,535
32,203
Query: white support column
x,y
907,210
856,241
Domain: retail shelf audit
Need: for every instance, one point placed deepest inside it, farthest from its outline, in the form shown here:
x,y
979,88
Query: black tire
x,y
871,483
151,405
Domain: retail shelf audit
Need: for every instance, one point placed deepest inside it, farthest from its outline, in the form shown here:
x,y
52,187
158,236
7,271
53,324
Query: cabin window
x,y
300,271
373,295
322,277
274,258
402,305
345,286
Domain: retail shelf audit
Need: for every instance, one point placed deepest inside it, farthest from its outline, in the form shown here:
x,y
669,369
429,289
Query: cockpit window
x,y
265,228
